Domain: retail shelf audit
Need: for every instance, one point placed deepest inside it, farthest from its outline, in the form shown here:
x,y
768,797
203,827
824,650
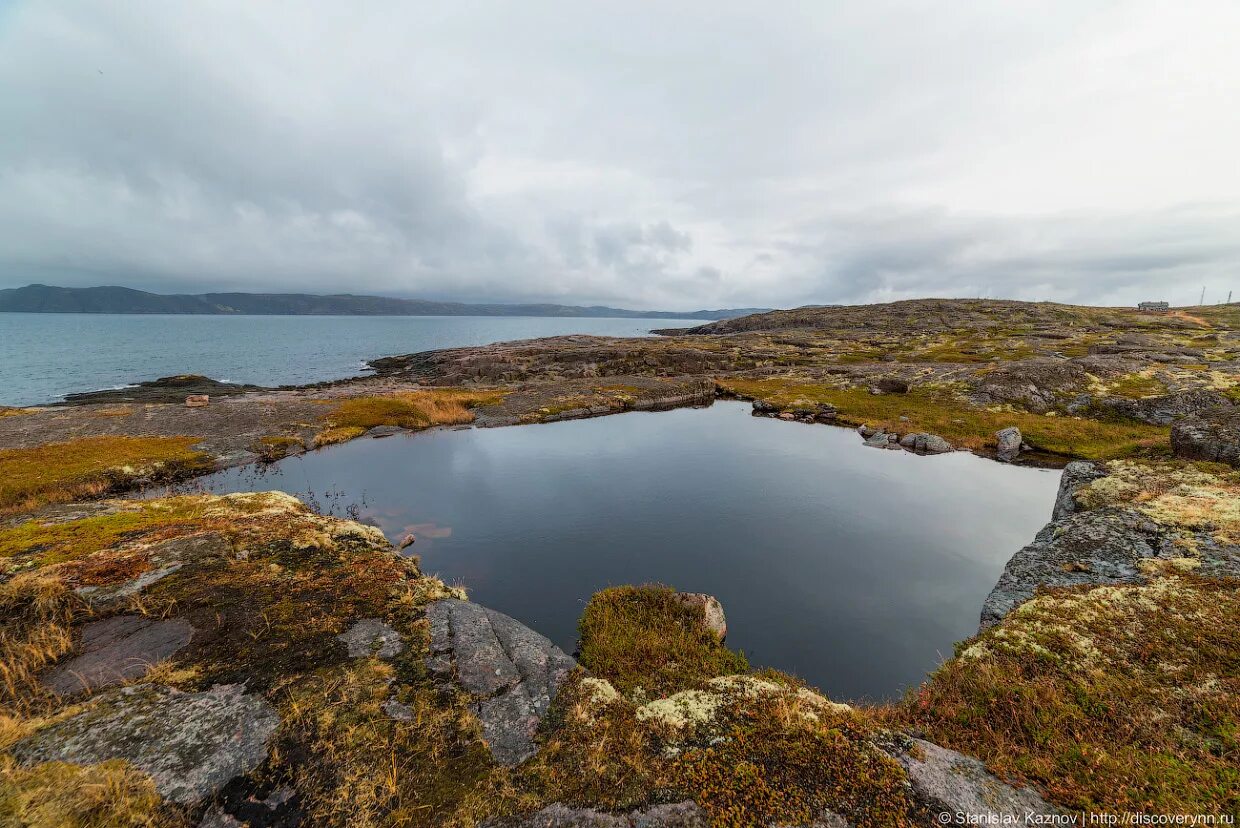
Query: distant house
x,y
1153,306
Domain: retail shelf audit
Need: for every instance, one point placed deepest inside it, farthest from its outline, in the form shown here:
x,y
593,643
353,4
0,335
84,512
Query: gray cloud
x,y
650,156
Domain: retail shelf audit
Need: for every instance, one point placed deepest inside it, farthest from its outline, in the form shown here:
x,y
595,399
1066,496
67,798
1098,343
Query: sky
x,y
671,155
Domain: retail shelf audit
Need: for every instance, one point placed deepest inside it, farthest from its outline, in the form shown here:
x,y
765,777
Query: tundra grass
x,y
92,466
1112,699
412,409
940,411
645,637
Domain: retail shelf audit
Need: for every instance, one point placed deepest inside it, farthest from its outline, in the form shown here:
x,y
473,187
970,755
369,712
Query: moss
x,y
1112,699
60,795
939,409
644,637
275,447
59,472
54,541
1195,497
1135,386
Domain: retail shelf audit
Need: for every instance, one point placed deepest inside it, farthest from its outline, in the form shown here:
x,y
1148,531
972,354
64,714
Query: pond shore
x,y
1104,677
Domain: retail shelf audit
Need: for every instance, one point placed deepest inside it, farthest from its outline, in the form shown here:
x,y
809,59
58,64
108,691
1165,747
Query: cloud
x,y
632,154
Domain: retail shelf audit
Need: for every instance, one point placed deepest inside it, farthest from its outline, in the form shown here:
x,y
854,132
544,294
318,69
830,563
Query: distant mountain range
x,y
48,299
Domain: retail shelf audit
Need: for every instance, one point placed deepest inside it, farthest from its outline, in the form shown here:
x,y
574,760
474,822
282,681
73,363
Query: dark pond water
x,y
855,568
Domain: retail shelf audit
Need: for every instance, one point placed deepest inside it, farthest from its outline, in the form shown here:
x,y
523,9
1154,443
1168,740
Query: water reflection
x,y
853,567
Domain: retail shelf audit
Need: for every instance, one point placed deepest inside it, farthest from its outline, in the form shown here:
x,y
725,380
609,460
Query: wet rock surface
x,y
118,649
947,782
512,672
1213,435
191,744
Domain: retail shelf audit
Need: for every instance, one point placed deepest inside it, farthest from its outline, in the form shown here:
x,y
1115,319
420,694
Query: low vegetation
x,y
940,410
644,638
90,467
412,409
1113,699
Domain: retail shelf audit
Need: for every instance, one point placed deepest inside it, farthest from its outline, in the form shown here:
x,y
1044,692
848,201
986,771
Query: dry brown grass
x,y
36,611
90,467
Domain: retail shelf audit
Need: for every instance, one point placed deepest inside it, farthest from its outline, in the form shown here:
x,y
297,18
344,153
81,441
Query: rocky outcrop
x,y
1166,408
677,815
190,744
945,782
116,650
512,672
1035,385
1210,435
1095,547
1008,444
1075,475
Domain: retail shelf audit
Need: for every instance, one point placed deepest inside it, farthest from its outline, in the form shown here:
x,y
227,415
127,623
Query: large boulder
x,y
190,744
1007,444
926,444
1075,475
954,789
1212,435
118,649
512,672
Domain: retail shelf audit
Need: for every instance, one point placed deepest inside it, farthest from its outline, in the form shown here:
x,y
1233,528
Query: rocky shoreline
x,y
240,661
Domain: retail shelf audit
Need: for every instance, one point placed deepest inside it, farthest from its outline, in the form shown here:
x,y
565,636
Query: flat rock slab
x,y
370,636
677,815
166,557
512,672
191,744
118,649
947,782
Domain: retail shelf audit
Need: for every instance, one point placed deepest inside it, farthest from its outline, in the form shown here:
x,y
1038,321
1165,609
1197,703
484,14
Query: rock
x,y
512,672
678,815
370,636
197,401
1007,444
381,431
787,415
713,618
1209,435
190,744
892,385
1167,408
764,407
926,444
866,432
1082,548
945,782
118,649
407,541
1075,474
398,711
1037,385
165,559
880,439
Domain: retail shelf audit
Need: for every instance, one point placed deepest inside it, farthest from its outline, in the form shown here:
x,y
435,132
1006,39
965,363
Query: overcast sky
x,y
652,155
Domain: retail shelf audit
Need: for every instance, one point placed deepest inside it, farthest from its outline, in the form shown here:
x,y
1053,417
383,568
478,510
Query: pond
x,y
855,568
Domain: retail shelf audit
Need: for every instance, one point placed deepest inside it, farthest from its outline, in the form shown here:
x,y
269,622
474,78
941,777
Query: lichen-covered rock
x,y
1035,385
118,649
1007,444
512,672
190,744
947,782
1210,435
370,636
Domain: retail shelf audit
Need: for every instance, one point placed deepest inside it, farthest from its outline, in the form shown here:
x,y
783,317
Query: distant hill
x,y
49,299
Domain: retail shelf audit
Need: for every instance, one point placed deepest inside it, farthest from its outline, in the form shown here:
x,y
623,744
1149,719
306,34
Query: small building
x,y
1154,306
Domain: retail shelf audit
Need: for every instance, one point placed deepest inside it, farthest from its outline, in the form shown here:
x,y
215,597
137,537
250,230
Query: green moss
x,y
1135,386
59,472
646,637
51,542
